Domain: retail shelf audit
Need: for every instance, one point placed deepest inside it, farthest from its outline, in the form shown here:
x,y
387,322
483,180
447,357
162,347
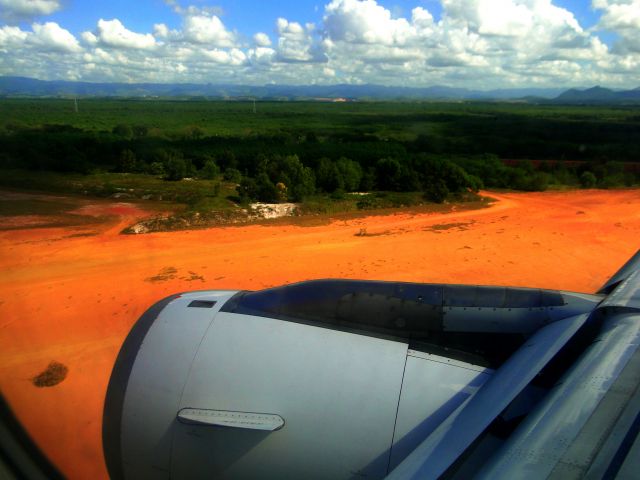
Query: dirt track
x,y
71,294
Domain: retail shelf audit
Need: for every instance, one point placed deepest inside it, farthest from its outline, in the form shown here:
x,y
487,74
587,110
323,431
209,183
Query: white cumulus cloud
x,y
206,28
25,9
619,14
47,37
297,43
262,39
50,36
364,22
112,33
262,55
12,37
233,57
160,30
622,17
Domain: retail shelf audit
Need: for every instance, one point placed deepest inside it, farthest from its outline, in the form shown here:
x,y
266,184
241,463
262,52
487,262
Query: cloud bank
x,y
474,43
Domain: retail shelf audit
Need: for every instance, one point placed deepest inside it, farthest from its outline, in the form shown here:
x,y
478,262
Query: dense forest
x,y
290,150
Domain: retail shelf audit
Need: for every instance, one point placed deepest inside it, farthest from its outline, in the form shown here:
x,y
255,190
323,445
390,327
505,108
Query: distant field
x,y
398,120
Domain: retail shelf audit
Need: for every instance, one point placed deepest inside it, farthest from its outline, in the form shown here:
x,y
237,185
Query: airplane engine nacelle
x,y
322,379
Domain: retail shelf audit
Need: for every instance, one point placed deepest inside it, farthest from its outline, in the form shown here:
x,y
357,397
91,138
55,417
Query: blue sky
x,y
473,43
246,16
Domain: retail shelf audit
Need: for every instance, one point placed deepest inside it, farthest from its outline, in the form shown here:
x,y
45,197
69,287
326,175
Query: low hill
x,y
599,95
29,87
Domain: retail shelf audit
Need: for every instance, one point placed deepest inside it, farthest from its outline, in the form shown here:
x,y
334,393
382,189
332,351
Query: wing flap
x,y
441,449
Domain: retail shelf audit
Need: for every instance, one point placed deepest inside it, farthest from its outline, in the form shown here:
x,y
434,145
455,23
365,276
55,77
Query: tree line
x,y
286,166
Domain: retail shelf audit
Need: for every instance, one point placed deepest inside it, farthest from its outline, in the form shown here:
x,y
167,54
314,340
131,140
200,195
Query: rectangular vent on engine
x,y
202,303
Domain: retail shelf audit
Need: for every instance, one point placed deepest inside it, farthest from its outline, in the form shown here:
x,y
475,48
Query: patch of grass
x,y
117,185
380,200
201,203
324,205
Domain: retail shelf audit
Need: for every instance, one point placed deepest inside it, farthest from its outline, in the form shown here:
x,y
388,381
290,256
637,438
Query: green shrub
x,y
175,168
588,180
232,175
156,168
436,191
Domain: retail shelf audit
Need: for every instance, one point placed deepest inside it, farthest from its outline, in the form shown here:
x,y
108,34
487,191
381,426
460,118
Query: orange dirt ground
x,y
71,294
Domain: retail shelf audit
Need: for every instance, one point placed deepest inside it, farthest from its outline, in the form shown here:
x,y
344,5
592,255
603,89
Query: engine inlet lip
x,y
114,400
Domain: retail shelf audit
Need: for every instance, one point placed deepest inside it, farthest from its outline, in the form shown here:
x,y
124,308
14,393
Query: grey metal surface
x,y
608,421
155,385
408,310
630,469
433,456
550,431
432,389
338,393
626,390
496,319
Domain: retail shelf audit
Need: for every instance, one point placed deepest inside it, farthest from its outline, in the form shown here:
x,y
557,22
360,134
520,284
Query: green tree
x,y
387,173
140,131
306,185
227,159
232,175
210,170
175,168
247,189
299,180
328,176
266,191
350,172
156,168
194,132
440,176
123,130
127,161
368,181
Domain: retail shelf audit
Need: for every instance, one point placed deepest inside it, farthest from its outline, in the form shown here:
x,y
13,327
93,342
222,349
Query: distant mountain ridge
x,y
597,95
23,86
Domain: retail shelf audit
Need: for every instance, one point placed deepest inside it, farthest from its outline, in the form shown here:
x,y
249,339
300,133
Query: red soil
x,y
71,298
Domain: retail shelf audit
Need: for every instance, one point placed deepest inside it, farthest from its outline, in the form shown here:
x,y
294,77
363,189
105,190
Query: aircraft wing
x,y
585,426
